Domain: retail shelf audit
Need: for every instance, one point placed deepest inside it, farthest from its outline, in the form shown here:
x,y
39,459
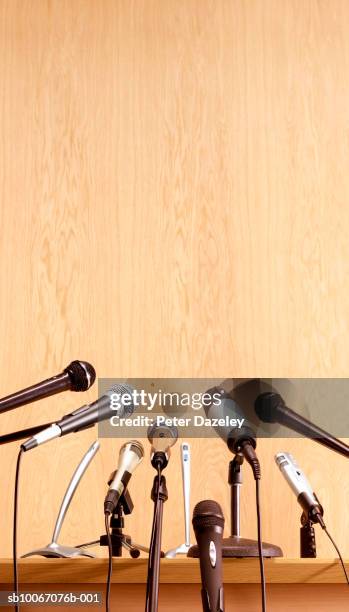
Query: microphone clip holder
x,y
119,539
307,538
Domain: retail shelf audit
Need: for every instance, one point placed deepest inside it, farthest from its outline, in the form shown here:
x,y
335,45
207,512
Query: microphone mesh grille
x,y
122,389
208,513
82,375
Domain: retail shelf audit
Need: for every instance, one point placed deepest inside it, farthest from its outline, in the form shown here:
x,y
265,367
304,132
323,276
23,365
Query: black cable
x,y
15,521
338,553
260,549
110,562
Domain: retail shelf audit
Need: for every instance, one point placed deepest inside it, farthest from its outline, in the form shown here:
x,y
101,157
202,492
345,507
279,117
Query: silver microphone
x,y
86,416
161,438
300,486
130,456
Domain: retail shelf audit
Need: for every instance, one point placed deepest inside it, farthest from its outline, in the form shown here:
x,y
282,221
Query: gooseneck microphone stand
x,y
158,495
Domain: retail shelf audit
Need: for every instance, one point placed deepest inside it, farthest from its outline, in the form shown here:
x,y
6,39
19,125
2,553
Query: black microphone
x,y
271,408
77,376
241,440
87,416
208,524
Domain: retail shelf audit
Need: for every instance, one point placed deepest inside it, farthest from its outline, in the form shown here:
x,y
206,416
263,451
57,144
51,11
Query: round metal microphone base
x,y
242,547
57,550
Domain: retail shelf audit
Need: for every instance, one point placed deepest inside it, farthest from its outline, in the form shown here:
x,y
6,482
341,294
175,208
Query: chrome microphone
x,y
301,487
86,416
161,438
130,456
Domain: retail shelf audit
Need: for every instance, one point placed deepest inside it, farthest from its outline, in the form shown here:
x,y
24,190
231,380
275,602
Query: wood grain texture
x,y
173,202
180,571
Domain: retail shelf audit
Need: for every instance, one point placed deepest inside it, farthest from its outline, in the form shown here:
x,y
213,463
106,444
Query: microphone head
x,y
207,513
123,394
266,406
82,375
162,437
130,455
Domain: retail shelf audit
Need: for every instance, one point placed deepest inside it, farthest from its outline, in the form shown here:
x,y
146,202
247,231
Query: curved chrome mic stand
x,y
185,459
53,549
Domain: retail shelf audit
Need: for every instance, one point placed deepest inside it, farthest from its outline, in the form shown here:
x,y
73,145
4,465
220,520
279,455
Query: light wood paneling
x,y
173,202
180,571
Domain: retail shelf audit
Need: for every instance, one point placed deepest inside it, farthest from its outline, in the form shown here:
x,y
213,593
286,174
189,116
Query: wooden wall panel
x,y
173,202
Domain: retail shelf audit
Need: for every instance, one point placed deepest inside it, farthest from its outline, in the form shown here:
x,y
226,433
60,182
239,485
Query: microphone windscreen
x,y
207,513
82,375
266,406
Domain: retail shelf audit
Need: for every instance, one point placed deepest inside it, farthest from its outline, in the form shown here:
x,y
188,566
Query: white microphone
x,y
301,487
130,456
161,438
86,416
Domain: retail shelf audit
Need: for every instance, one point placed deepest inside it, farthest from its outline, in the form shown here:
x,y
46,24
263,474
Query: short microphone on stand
x,y
271,408
77,376
86,416
130,456
312,509
208,524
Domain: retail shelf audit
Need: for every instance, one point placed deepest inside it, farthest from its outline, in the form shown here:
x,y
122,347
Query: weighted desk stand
x,y
235,545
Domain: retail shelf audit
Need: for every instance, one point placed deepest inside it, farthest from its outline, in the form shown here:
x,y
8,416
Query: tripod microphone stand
x,y
118,538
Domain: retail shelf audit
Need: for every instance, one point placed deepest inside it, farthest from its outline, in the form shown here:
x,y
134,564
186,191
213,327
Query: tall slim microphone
x,y
161,438
86,416
271,408
130,456
208,524
77,376
301,487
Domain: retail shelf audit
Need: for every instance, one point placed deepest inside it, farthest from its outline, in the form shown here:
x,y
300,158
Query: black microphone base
x,y
236,546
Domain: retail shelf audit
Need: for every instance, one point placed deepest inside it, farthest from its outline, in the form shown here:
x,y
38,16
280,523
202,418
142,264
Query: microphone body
x,y
84,417
208,523
271,408
300,486
131,454
77,376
